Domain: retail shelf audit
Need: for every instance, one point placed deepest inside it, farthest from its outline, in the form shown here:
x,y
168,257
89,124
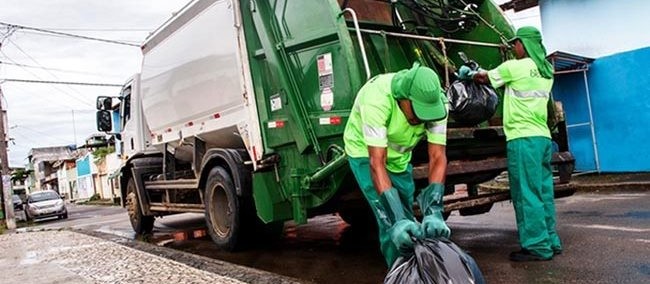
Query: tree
x,y
20,175
101,153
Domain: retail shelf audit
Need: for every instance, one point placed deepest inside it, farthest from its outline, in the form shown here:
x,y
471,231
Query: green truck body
x,y
305,61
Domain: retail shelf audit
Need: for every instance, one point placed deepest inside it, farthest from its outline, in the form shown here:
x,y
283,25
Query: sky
x,y
44,115
41,115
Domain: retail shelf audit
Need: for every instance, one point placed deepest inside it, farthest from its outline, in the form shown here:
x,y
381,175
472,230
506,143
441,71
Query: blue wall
x,y
83,166
620,96
571,91
594,28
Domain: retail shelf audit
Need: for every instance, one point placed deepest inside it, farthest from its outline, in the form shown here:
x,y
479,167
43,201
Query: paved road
x,y
606,239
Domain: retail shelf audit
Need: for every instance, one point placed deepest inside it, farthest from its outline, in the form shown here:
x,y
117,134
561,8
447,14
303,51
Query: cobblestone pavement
x,y
70,257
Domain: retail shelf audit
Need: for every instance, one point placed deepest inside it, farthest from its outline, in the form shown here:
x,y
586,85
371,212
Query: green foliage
x,y
94,197
101,153
20,174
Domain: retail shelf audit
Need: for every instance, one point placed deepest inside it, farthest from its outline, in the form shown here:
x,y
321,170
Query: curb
x,y
637,186
241,273
634,186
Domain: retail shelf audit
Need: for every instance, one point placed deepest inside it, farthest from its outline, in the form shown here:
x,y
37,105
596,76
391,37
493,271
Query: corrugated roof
x,y
564,62
50,154
519,5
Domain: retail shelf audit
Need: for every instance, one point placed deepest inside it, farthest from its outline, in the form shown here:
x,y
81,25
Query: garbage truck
x,y
239,109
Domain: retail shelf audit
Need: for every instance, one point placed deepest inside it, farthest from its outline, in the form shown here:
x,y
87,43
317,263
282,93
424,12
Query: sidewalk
x,y
71,257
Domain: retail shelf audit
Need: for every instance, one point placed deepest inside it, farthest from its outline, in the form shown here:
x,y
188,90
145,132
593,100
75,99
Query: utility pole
x,y
7,193
74,130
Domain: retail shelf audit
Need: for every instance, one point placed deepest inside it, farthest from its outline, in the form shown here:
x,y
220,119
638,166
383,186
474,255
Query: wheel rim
x,y
220,211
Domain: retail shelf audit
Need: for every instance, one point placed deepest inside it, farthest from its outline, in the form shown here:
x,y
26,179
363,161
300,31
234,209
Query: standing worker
x,y
391,114
528,81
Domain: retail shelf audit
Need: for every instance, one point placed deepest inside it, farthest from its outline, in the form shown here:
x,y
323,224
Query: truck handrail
x,y
438,39
359,38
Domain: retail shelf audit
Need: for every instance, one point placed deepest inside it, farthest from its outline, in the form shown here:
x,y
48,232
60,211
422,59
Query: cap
x,y
426,95
526,32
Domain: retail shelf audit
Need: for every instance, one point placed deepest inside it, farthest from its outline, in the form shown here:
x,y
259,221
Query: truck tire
x,y
141,224
222,209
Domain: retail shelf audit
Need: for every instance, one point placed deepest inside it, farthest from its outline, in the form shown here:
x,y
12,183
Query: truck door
x,y
129,127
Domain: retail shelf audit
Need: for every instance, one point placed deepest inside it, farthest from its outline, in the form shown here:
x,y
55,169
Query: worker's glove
x,y
430,201
465,73
401,229
402,234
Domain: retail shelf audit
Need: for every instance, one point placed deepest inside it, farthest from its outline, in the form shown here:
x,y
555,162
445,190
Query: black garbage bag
x,y
471,103
435,261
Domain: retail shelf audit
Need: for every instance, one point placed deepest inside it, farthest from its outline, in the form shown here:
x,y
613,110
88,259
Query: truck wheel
x,y
141,224
222,209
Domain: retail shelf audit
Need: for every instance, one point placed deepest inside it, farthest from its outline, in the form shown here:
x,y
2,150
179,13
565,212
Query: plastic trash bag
x,y
435,261
471,103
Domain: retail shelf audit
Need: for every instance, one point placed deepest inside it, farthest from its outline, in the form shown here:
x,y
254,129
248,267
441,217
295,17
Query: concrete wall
x,y
595,28
620,96
86,170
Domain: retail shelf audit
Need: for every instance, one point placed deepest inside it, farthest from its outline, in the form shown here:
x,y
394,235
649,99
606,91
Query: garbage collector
x,y
391,114
528,81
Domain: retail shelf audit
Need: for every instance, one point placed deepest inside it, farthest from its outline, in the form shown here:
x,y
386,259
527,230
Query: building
x,y
607,105
96,163
41,163
67,178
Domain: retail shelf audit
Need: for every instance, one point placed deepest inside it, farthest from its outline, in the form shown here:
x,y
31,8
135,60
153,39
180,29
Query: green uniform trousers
x,y
531,188
404,184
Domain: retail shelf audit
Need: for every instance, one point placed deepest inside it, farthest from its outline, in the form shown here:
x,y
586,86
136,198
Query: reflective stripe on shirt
x,y
495,78
529,94
399,148
374,132
436,128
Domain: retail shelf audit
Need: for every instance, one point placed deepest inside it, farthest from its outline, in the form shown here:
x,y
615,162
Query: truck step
x,y
187,184
176,207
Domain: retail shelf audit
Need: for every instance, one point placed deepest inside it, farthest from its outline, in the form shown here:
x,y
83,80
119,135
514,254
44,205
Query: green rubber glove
x,y
465,73
430,200
402,230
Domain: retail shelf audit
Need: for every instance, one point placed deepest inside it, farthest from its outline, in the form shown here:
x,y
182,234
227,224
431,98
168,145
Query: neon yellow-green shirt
x,y
376,120
525,100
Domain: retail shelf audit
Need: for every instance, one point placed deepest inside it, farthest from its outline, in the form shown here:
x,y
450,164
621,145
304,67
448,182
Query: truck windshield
x,y
126,105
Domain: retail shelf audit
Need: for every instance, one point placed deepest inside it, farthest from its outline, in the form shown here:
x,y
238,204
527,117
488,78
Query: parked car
x,y
43,204
18,203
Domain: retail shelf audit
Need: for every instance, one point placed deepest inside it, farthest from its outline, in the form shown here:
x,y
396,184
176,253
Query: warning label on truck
x,y
276,102
326,99
325,71
326,81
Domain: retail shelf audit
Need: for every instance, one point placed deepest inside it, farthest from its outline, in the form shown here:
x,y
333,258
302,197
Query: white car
x,y
43,204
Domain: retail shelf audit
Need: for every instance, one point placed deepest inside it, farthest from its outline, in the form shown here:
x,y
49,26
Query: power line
x,y
54,87
67,34
60,82
101,29
43,133
53,75
54,69
50,99
135,42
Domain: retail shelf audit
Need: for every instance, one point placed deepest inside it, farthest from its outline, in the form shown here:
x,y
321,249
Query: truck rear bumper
x,y
484,199
494,165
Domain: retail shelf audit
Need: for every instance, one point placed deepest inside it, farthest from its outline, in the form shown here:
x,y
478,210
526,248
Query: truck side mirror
x,y
104,121
104,103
